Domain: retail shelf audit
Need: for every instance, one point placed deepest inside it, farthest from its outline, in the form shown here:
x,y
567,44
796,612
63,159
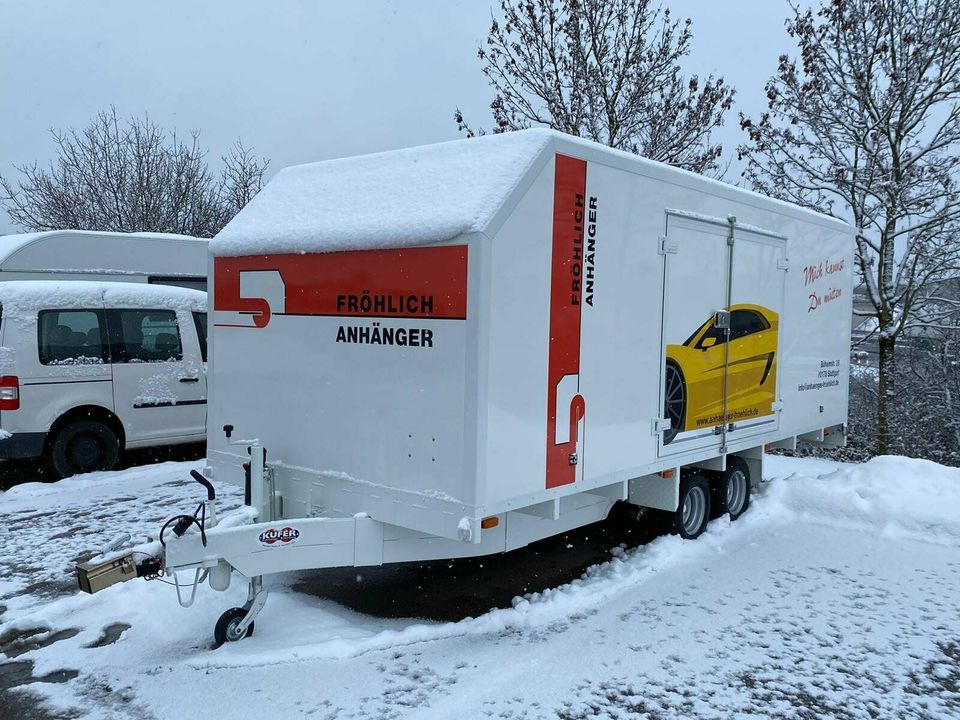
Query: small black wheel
x,y
691,518
83,446
227,630
732,489
674,400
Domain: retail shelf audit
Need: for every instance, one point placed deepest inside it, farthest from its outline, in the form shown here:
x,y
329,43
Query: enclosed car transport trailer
x,y
459,349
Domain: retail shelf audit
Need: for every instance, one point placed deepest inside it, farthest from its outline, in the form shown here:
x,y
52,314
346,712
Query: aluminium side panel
x,y
576,285
815,370
579,289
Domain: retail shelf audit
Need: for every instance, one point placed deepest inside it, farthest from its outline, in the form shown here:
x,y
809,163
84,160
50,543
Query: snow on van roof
x,y
402,197
32,295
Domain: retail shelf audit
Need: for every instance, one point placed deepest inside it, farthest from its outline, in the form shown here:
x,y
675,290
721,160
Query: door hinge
x,y
660,425
776,405
667,247
783,264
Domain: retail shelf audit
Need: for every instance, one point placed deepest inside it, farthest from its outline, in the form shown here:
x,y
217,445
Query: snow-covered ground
x,y
836,596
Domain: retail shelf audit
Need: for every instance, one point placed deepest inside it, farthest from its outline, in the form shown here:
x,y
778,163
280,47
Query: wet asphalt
x,y
15,472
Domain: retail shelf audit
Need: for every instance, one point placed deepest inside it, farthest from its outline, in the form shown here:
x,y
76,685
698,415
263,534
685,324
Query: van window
x,y
147,336
71,337
200,320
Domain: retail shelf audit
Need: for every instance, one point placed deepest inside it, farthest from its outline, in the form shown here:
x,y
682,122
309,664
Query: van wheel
x,y
691,518
83,446
732,490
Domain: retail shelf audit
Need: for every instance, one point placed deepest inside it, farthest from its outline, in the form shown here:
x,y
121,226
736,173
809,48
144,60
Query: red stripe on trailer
x,y
566,287
421,282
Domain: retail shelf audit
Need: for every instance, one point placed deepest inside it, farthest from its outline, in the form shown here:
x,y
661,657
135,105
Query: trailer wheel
x,y
674,400
732,490
83,446
226,629
691,518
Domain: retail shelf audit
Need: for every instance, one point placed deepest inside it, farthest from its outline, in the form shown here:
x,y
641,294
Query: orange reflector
x,y
490,522
667,474
768,447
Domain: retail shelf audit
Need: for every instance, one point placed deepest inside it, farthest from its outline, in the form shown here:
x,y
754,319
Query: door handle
x,y
189,379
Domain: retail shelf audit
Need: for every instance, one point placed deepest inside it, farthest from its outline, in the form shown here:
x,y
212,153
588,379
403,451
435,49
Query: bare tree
x,y
130,176
866,126
242,177
607,70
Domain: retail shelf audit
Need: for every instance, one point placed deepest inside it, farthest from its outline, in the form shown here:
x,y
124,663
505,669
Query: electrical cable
x,y
183,522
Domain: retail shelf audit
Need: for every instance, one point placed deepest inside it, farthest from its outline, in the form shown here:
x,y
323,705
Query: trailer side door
x,y
723,297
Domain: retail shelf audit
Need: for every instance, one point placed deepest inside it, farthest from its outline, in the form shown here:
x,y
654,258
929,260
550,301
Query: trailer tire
x,y
674,400
226,628
731,492
691,517
83,446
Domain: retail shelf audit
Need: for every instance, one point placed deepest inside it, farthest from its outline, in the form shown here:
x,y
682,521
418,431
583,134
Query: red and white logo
x,y
273,537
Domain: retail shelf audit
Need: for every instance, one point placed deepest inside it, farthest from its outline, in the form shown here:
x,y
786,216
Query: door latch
x,y
660,425
667,247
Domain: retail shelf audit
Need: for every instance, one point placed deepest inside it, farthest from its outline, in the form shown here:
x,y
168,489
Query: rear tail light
x,y
9,392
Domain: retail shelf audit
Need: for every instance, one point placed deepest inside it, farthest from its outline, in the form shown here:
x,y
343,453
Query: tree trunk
x,y
885,396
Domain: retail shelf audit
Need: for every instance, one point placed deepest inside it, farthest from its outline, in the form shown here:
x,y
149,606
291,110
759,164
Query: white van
x,y
90,368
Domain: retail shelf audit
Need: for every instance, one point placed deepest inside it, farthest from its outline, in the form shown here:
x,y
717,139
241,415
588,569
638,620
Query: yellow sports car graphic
x,y
694,378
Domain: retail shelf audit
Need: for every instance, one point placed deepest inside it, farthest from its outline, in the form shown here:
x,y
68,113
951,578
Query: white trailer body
x,y
460,349
155,258
485,329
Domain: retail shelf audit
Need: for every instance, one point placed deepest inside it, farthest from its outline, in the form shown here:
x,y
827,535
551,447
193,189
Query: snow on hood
x,y
399,198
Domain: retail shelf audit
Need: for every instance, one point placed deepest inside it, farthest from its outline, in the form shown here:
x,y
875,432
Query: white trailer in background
x,y
156,258
462,348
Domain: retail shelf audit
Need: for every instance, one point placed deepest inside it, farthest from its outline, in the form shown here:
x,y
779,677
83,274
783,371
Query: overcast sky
x,y
300,81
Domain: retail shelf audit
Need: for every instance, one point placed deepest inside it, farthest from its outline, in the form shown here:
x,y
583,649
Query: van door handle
x,y
189,379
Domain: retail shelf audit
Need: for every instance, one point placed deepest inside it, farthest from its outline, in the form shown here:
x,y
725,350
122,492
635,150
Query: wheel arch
x,y
86,412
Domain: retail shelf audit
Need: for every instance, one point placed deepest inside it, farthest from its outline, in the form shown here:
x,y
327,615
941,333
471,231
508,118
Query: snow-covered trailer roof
x,y
76,252
23,296
429,194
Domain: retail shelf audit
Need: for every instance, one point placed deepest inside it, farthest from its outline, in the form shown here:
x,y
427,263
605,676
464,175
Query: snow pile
x,y
816,603
392,199
896,497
